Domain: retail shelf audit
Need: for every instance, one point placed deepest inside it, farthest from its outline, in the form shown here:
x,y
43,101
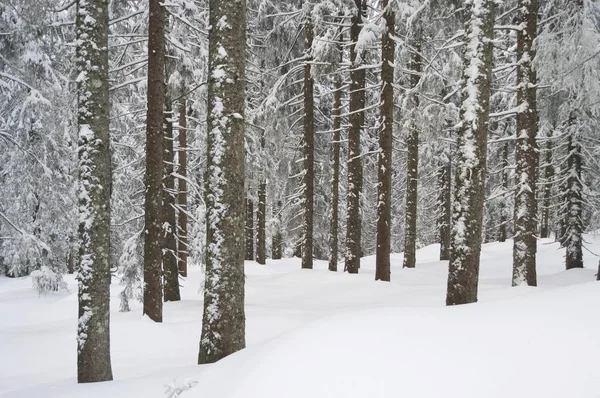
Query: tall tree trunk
x,y
445,207
171,273
261,220
249,229
412,158
547,190
502,228
525,226
276,237
471,143
355,169
384,173
573,237
224,320
154,163
308,146
336,113
182,191
94,190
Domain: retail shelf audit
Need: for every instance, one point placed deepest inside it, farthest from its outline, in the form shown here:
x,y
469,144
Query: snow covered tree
x,y
223,325
470,156
94,191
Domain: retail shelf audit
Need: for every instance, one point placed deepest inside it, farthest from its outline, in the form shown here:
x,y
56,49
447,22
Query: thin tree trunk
x,y
308,146
525,226
355,169
573,238
224,320
547,190
412,159
249,230
384,174
276,237
261,220
471,143
445,208
154,163
94,191
335,180
182,191
502,228
171,274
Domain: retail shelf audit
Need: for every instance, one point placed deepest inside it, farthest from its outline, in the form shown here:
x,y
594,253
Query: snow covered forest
x,y
311,183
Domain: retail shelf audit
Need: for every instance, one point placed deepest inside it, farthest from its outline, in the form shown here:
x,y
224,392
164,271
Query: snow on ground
x,y
322,334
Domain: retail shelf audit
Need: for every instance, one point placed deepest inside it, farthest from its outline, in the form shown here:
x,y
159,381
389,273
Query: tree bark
x,y
547,190
471,153
154,163
502,228
223,324
308,146
261,220
171,272
94,191
276,237
384,174
335,179
573,237
182,195
355,169
249,230
445,208
525,226
412,159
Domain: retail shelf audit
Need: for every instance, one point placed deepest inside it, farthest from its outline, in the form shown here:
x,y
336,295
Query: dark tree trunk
x,y
471,144
444,208
249,230
573,237
525,226
547,190
276,238
224,320
261,220
355,169
154,163
502,234
171,273
412,159
335,180
94,190
308,146
182,191
384,173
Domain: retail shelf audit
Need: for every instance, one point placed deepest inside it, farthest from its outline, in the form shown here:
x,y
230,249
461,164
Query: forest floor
x,y
322,334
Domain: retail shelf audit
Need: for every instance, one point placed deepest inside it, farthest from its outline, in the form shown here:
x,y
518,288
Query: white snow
x,y
314,333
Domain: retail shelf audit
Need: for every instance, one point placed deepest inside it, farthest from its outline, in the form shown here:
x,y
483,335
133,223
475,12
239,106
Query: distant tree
x,y
94,191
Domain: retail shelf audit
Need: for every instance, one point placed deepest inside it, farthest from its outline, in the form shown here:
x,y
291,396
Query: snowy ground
x,y
322,334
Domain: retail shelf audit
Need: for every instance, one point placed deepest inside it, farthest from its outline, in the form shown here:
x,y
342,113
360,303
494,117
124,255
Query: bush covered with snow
x,y
45,280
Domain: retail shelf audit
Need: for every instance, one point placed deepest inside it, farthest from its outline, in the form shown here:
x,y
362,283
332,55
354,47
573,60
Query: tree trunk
x,y
573,238
547,191
182,191
355,172
276,237
261,220
94,190
384,174
336,113
224,320
471,143
525,226
308,146
154,163
412,159
249,230
445,208
171,274
502,234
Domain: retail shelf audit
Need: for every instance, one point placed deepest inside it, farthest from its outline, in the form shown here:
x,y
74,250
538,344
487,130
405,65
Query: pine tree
x,y
223,325
182,196
470,157
94,191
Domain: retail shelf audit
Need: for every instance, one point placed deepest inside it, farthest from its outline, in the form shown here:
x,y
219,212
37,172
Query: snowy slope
x,y
322,334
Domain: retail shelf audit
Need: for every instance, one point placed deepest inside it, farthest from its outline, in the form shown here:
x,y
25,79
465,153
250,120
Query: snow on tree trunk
x,y
573,223
355,169
249,230
276,236
470,157
223,323
444,208
548,170
412,157
94,191
384,174
308,146
171,273
502,228
261,221
182,191
154,218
